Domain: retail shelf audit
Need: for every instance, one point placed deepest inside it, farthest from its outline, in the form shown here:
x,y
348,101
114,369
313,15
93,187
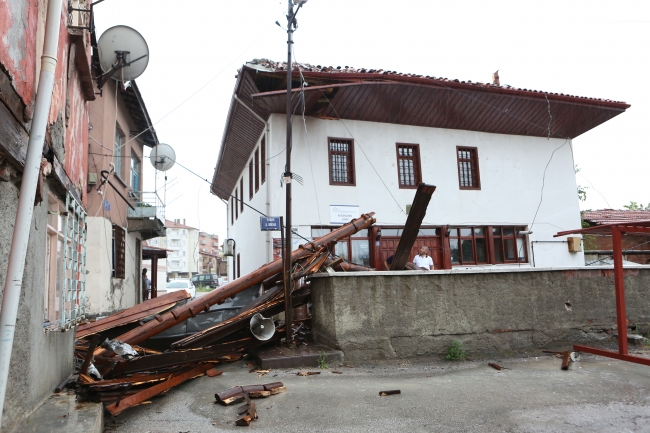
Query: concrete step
x,y
62,413
304,356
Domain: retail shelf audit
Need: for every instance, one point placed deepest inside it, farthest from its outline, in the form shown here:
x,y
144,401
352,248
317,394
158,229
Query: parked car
x,y
181,284
206,280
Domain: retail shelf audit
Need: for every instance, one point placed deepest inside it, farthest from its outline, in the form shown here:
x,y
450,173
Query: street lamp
x,y
292,25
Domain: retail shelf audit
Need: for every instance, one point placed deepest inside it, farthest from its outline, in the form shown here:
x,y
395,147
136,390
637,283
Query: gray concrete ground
x,y
595,395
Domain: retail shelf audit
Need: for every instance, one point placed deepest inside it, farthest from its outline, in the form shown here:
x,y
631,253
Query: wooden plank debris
x,y
390,392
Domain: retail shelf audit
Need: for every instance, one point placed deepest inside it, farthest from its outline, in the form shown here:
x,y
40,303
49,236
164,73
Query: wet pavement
x,y
595,395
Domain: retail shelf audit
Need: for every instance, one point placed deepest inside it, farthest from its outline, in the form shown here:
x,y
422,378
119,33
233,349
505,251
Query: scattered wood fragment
x,y
307,373
389,392
237,393
259,394
213,372
566,359
260,373
497,366
336,372
249,415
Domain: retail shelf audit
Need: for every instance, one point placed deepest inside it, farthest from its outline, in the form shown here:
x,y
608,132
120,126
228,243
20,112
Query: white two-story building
x,y
500,157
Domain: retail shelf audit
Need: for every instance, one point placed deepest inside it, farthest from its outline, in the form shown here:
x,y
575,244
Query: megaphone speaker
x,y
261,327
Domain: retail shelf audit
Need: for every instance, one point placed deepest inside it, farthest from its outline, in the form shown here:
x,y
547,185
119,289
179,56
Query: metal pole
x,y
619,284
25,211
288,316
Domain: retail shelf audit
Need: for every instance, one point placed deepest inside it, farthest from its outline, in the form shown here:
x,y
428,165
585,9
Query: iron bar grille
x,y
79,14
408,163
73,276
468,174
341,159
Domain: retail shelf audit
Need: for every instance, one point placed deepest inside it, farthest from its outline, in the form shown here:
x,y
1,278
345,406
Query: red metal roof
x,y
613,216
392,97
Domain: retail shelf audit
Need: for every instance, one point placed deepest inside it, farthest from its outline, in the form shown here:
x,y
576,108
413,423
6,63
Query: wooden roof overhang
x,y
397,99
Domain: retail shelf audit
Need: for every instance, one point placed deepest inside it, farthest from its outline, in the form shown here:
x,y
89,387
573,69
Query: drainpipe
x,y
18,251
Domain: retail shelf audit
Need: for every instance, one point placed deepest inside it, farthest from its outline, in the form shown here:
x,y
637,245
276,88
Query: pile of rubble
x,y
116,369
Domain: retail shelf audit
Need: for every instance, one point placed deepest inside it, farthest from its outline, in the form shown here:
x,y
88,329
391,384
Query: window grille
x,y
468,172
341,161
73,275
408,165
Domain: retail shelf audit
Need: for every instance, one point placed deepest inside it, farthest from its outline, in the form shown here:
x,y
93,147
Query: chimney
x,y
183,221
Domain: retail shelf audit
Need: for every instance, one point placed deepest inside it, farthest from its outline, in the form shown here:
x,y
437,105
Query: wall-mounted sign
x,y
270,224
343,213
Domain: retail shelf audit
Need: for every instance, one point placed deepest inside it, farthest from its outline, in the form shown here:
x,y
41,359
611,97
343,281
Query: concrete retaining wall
x,y
384,315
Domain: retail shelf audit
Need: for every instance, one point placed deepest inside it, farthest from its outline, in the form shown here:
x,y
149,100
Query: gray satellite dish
x,y
162,157
123,54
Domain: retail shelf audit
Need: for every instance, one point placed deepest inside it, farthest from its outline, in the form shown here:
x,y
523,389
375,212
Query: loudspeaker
x,y
261,327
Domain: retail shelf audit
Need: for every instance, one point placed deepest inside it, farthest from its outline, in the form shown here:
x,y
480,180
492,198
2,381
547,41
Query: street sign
x,y
270,224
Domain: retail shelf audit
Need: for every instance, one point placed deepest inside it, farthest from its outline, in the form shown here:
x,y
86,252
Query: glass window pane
x,y
509,246
341,249
466,232
361,252
496,231
498,251
429,232
468,250
390,232
479,231
317,233
453,232
481,255
361,234
521,249
455,253
508,231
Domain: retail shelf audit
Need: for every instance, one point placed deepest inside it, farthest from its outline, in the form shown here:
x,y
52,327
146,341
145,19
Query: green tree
x,y
636,206
582,190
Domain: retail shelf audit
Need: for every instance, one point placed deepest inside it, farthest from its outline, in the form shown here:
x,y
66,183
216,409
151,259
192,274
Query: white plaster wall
x,y
106,295
511,172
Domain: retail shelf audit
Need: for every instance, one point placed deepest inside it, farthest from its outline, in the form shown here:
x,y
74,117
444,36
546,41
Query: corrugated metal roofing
x,y
392,97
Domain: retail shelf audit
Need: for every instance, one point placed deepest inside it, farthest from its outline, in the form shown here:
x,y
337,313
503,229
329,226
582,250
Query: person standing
x,y
423,260
146,285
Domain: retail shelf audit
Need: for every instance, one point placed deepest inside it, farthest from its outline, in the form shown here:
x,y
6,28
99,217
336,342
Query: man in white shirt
x,y
423,260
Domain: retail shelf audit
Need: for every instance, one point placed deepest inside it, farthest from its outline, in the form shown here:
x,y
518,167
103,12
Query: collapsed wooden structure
x,y
121,374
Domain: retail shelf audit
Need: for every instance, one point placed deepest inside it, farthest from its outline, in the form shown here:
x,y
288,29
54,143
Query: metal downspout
x,y
25,211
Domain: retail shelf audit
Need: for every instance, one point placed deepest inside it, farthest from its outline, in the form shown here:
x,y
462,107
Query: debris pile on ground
x,y
248,412
116,366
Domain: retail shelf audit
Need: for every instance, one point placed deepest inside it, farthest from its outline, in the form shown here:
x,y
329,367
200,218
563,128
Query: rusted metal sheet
x,y
135,399
184,312
412,226
138,312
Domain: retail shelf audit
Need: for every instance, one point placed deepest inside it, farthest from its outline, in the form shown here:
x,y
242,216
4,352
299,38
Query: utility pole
x,y
288,314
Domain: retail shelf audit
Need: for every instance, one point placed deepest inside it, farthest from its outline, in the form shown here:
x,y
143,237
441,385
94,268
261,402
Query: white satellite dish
x,y
123,54
162,157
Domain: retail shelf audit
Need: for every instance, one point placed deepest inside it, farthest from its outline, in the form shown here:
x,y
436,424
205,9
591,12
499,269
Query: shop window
x,y
354,249
491,244
468,245
509,246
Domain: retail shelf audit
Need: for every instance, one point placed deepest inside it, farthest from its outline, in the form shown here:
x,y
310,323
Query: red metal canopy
x,y
616,231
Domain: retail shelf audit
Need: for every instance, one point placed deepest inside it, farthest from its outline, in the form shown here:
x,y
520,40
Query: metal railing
x,y
79,14
148,205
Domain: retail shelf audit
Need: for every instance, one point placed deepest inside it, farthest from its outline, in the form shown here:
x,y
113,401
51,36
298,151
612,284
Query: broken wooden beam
x,y
412,226
192,308
169,359
389,392
88,358
248,414
237,393
141,311
144,395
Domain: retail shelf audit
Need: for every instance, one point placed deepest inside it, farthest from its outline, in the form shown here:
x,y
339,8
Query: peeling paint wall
x,y
18,29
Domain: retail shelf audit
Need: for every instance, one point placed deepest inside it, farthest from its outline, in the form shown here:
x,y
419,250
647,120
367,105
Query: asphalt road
x,y
595,395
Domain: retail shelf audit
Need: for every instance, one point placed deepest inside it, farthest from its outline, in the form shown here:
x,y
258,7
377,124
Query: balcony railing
x,y
148,205
79,14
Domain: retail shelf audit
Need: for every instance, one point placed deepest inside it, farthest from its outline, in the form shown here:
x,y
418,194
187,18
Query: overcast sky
x,y
587,48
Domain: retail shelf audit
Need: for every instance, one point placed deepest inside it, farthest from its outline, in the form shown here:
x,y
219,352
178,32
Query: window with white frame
x,y
135,173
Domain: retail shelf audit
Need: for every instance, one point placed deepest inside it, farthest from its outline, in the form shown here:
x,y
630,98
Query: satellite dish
x,y
123,54
162,157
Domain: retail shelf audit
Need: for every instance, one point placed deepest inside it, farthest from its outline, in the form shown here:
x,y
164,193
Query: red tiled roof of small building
x,y
614,216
